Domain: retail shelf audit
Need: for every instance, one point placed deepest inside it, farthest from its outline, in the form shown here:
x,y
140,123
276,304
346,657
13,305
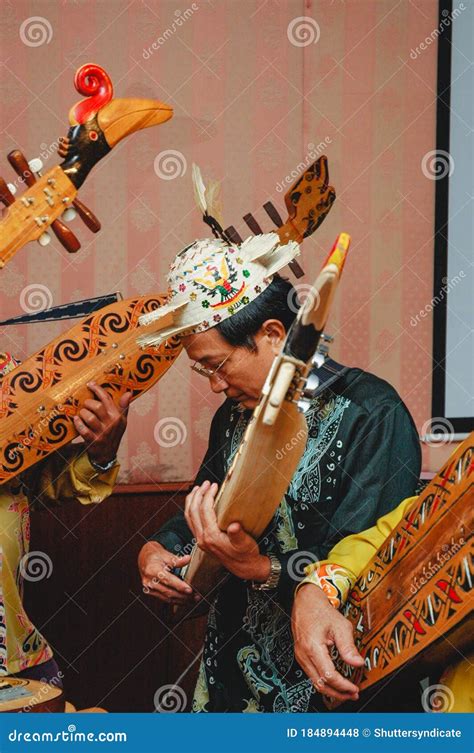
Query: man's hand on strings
x,y
156,565
235,549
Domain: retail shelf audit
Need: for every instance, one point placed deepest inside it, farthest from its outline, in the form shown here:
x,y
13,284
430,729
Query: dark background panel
x,y
115,645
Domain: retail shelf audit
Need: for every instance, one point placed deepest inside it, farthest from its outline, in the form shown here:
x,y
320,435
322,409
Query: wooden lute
x,y
39,398
414,600
256,481
97,123
308,202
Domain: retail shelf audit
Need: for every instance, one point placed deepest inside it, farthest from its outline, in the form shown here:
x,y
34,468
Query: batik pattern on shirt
x,y
361,458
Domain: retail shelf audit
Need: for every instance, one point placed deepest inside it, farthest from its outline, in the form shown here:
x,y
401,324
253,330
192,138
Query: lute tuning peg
x,y
6,194
69,214
35,165
21,166
76,208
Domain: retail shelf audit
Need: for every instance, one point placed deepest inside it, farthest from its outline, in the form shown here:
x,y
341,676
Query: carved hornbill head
x,y
99,122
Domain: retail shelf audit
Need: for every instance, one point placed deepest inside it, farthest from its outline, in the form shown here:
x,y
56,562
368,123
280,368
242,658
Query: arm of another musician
x,y
335,577
316,623
71,476
70,473
347,559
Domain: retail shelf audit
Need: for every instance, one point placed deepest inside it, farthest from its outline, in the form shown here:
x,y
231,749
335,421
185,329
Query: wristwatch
x,y
105,467
274,577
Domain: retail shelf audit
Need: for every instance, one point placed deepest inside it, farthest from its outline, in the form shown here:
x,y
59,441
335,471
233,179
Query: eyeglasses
x,y
206,371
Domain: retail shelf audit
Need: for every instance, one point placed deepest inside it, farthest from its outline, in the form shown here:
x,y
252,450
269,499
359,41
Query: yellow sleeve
x,y
347,559
458,679
68,475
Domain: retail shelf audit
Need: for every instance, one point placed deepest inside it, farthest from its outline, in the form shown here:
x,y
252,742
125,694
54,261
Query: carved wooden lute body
x,y
39,398
415,597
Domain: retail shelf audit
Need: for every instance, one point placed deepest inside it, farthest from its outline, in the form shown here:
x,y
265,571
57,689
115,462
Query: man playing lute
x,y
362,457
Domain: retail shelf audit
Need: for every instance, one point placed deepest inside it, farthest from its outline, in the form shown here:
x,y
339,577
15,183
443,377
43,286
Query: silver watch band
x,y
105,467
274,577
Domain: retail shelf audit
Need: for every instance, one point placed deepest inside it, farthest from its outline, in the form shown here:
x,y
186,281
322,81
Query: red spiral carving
x,y
93,82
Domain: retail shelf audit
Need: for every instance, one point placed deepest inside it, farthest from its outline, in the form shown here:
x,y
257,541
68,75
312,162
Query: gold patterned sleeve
x,y
337,574
68,475
334,580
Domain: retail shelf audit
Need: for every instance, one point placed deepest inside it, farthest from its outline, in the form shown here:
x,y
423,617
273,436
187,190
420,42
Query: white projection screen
x,y
453,294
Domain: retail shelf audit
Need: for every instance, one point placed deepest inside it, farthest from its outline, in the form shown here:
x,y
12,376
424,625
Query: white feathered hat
x,y
211,280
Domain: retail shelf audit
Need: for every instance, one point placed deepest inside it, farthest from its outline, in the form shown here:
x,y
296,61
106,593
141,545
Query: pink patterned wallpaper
x,y
257,86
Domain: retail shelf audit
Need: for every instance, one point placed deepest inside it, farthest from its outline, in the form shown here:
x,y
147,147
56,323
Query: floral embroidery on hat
x,y
211,275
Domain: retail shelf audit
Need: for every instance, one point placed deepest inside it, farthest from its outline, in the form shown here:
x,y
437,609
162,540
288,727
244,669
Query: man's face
x,y
241,372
